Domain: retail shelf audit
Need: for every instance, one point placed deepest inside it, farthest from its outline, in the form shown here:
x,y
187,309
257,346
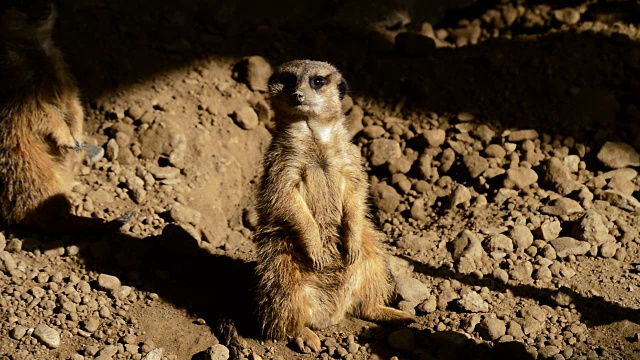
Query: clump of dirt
x,y
501,142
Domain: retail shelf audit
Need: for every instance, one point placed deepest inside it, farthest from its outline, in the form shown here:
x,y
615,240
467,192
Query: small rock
x,y
549,230
255,72
472,302
549,351
501,275
14,246
521,271
461,195
556,176
384,151
500,242
434,138
107,352
155,354
245,117
543,274
416,242
492,329
475,164
374,131
112,150
216,352
93,153
621,200
108,282
465,117
162,173
402,340
520,178
566,246
47,336
569,16
495,151
608,249
412,290
7,263
522,135
91,324
385,197
428,306
562,206
182,214
521,236
18,332
484,133
591,228
617,155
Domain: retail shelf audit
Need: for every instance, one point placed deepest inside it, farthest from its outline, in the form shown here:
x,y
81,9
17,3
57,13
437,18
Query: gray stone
x,y
566,246
472,302
412,290
591,228
155,354
108,282
521,236
47,336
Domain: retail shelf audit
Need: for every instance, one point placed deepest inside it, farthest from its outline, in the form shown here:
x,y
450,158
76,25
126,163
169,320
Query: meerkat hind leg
x,y
308,338
387,314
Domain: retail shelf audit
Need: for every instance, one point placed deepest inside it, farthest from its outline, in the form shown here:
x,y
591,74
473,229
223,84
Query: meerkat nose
x,y
299,96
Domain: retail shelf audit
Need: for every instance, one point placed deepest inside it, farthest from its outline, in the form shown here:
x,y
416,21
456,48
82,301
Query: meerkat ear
x,y
343,88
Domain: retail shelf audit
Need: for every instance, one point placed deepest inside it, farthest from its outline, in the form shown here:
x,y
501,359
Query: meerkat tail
x,y
228,335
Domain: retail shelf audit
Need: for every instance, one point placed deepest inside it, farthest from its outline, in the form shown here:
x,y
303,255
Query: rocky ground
x,y
501,141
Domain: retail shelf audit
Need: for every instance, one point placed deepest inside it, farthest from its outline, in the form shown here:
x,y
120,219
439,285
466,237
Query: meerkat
x,y
41,122
319,256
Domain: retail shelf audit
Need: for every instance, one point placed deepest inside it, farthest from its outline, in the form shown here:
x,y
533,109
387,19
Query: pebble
x,y
47,336
428,306
461,195
522,135
621,200
549,230
18,332
107,352
566,246
616,155
521,236
155,354
7,263
495,151
521,271
491,329
411,289
472,302
501,275
402,340
384,151
245,117
434,138
112,150
385,197
374,131
475,164
555,175
500,242
91,324
257,71
562,206
543,274
520,178
183,214
93,153
108,282
548,352
216,352
14,246
164,172
590,228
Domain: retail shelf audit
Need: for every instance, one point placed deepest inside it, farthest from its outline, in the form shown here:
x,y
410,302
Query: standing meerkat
x,y
319,255
41,122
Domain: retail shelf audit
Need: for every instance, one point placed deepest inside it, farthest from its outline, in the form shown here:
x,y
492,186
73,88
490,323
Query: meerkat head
x,y
305,88
26,21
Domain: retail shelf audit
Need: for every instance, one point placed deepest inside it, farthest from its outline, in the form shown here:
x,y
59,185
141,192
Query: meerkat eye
x,y
318,81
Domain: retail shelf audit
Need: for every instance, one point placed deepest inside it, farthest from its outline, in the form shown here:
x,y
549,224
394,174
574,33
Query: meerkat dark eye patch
x,y
287,79
317,82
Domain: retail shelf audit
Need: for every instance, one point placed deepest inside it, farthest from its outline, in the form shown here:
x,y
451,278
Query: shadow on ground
x,y
576,84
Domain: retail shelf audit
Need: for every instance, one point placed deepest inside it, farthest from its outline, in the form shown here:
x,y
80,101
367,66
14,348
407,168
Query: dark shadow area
x,y
567,83
594,311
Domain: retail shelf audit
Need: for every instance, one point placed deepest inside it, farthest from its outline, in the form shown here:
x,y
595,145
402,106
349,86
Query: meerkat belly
x,y
323,195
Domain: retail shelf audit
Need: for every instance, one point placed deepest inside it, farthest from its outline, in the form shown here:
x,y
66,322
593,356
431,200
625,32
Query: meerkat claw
x,y
77,145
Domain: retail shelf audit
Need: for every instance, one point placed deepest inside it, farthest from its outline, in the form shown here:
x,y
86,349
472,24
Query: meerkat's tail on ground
x,y
229,337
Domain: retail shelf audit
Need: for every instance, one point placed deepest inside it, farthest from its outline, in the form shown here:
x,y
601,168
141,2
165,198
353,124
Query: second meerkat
x,y
319,255
41,121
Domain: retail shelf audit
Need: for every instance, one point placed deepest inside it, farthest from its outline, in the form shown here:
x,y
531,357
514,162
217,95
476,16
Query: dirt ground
x,y
501,141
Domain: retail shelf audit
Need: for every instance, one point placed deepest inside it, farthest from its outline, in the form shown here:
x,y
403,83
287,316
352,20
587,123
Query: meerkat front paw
x,y
77,145
318,258
351,252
